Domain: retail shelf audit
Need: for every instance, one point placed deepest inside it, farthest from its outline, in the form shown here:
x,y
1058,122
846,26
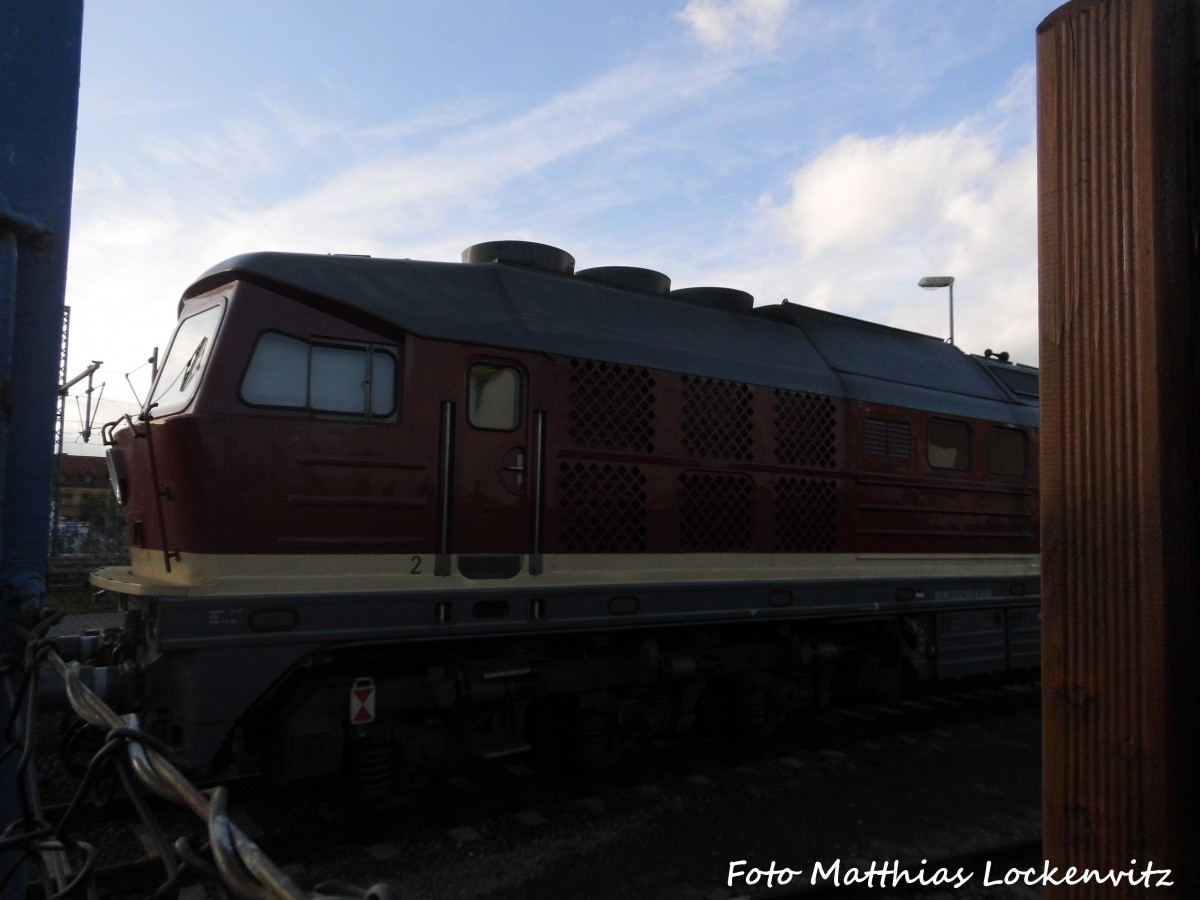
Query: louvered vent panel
x,y
889,439
602,508
804,429
805,515
611,406
716,512
718,419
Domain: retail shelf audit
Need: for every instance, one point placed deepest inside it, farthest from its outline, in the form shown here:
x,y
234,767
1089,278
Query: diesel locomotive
x,y
387,515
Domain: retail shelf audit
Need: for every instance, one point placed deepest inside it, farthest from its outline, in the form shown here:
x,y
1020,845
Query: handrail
x,y
539,474
441,564
159,493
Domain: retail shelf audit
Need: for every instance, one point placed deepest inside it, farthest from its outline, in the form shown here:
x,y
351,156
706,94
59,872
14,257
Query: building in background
x,y
87,518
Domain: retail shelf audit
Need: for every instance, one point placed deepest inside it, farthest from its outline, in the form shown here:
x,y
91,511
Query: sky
x,y
832,152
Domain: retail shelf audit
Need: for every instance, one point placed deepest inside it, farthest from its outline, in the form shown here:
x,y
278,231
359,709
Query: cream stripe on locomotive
x,y
201,575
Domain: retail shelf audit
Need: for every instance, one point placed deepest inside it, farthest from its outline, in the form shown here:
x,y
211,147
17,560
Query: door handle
x,y
518,469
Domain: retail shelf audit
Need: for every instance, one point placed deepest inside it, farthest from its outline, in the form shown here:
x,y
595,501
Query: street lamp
x,y
933,282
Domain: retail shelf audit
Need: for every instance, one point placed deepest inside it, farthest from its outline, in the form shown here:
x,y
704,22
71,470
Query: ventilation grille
x,y
716,512
611,406
889,439
602,508
805,515
804,429
718,419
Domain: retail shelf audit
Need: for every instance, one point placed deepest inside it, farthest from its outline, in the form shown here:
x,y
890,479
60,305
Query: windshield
x,y
185,361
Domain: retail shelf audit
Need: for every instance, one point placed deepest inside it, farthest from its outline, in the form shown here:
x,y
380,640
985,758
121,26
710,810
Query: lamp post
x,y
933,282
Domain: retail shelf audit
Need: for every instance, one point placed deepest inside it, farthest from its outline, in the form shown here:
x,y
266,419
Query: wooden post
x,y
1117,230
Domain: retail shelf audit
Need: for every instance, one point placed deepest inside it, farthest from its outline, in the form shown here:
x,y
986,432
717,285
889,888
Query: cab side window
x,y
351,380
322,377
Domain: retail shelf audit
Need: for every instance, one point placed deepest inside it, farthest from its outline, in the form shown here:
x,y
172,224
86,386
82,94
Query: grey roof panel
x,y
903,368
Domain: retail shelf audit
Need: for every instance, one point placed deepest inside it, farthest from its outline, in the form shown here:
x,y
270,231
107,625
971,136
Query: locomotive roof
x,y
520,307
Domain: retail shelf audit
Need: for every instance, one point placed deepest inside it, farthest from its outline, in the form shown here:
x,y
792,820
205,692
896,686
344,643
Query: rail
x,y
67,866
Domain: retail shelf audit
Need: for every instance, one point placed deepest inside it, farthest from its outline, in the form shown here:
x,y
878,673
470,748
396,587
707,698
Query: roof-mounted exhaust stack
x,y
521,253
634,278
631,277
728,299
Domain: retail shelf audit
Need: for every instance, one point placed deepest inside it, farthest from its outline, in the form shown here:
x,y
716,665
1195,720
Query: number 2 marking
x,y
416,569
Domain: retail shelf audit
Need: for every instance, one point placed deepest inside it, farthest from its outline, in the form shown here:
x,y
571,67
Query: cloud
x,y
729,24
862,190
869,216
244,147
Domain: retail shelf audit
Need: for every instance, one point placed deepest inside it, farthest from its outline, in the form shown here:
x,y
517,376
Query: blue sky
x,y
827,151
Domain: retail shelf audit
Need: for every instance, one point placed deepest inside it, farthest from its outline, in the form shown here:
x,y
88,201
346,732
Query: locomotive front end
x,y
150,457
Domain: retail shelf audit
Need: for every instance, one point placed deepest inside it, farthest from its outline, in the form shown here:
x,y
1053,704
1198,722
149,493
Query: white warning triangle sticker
x,y
362,701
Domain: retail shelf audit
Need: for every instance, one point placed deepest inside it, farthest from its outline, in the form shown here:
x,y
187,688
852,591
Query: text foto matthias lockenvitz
x,y
891,874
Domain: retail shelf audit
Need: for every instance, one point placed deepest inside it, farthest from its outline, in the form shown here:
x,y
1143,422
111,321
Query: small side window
x,y
494,397
1006,452
949,445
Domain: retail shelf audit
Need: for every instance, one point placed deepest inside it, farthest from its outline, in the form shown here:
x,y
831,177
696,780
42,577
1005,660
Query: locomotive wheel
x,y
548,726
740,706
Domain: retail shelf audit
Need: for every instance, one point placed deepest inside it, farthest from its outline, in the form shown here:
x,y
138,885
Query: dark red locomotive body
x,y
351,466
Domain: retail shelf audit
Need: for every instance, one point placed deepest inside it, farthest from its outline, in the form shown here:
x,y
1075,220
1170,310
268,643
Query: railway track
x,y
488,811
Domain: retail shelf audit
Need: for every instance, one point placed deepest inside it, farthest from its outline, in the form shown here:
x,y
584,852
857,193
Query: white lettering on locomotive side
x,y
223,616
954,596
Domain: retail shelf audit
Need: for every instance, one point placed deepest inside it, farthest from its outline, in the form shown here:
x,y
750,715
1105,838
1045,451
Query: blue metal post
x,y
39,71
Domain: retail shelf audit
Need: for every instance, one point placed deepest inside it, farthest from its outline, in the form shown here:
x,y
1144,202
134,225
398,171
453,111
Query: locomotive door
x,y
494,473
